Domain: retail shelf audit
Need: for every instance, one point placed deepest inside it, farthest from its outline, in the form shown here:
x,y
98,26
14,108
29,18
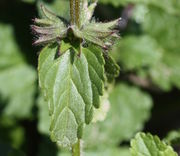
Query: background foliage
x,y
145,96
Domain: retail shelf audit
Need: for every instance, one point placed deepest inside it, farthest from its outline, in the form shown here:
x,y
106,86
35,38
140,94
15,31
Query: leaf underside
x,y
72,86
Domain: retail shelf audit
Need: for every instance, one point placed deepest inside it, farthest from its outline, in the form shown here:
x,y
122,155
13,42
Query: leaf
x,y
123,151
165,74
49,28
43,116
137,52
173,138
167,35
71,85
161,76
98,33
60,7
171,59
169,6
146,144
96,71
17,79
130,108
111,68
10,52
87,11
18,88
28,1
109,152
101,113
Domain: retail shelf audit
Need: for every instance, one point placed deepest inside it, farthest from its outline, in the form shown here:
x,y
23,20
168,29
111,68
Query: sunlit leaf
x,y
146,144
60,7
71,85
137,52
43,116
173,138
130,108
17,79
106,152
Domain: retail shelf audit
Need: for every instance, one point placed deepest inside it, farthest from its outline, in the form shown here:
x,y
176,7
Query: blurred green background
x,y
145,96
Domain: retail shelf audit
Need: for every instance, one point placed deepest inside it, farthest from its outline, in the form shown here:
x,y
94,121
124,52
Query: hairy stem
x,y
76,149
75,6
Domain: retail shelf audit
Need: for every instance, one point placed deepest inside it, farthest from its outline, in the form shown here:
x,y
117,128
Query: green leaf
x,y
18,85
29,1
98,33
171,59
146,144
17,79
165,74
49,28
169,6
109,152
43,116
137,52
167,34
87,11
111,68
173,138
161,76
10,52
101,113
71,85
96,71
130,108
123,151
60,7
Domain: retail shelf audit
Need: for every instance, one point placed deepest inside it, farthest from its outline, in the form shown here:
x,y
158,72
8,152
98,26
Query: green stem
x,y
75,12
76,149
